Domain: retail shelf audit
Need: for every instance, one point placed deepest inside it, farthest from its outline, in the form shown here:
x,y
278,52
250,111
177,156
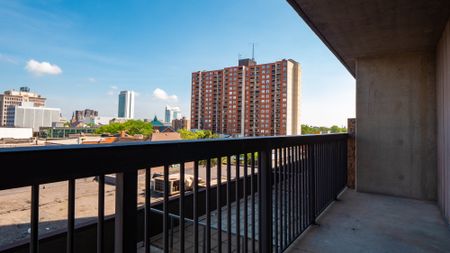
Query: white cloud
x,y
42,68
162,95
113,91
92,80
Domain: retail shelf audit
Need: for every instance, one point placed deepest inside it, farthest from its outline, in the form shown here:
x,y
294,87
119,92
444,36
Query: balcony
x,y
285,193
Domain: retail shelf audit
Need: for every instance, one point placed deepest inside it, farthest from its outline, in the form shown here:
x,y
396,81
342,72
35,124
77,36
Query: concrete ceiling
x,y
361,28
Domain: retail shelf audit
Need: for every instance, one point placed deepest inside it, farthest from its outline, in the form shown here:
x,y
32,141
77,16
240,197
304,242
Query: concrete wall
x,y
396,125
16,133
443,121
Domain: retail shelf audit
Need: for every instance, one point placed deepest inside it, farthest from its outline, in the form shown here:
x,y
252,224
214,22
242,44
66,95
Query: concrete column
x,y
396,125
443,121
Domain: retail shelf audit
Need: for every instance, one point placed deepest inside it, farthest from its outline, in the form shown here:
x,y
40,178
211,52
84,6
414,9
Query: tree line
x,y
307,129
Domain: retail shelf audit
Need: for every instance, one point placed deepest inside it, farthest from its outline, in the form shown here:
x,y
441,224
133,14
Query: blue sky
x,y
94,49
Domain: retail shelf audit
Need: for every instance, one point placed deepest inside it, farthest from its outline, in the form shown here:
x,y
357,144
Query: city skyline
x,y
156,58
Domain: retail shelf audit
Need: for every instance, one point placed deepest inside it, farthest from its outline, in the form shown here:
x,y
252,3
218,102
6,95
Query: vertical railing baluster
x,y
293,208
302,186
313,184
336,166
286,197
172,232
166,209
344,163
208,205
260,228
219,204
300,190
342,176
297,191
308,183
196,203
305,186
282,199
324,185
329,170
182,212
253,182
325,172
71,216
34,237
265,171
147,217
323,178
245,205
291,191
259,201
229,242
276,183
319,179
101,214
237,199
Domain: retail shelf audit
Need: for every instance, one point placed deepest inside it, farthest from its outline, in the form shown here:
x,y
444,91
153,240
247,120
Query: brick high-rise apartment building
x,y
249,99
12,98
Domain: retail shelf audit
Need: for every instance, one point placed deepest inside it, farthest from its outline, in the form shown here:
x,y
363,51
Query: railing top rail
x,y
38,165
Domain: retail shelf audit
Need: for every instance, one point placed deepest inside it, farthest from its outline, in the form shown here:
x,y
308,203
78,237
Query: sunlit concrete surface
x,y
363,222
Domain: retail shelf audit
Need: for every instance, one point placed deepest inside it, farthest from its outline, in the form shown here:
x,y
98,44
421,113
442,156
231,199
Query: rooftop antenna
x,y
253,51
239,56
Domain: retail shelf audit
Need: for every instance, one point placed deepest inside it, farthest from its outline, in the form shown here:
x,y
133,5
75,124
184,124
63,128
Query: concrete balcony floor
x,y
363,222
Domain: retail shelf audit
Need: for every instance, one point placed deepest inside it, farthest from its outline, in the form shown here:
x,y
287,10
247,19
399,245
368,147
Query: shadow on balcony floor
x,y
364,222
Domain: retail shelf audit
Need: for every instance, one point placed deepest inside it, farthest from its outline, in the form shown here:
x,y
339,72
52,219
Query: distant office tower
x,y
249,99
78,116
171,113
126,104
27,115
181,124
12,98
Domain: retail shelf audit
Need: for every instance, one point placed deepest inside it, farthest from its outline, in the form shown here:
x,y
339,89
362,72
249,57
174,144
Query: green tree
x,y
201,134
130,127
336,129
187,135
306,129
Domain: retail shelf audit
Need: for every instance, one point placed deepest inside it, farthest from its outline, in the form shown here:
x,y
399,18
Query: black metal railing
x,y
267,191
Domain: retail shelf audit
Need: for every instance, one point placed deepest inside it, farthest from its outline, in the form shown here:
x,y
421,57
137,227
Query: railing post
x,y
126,212
265,171
313,183
351,158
